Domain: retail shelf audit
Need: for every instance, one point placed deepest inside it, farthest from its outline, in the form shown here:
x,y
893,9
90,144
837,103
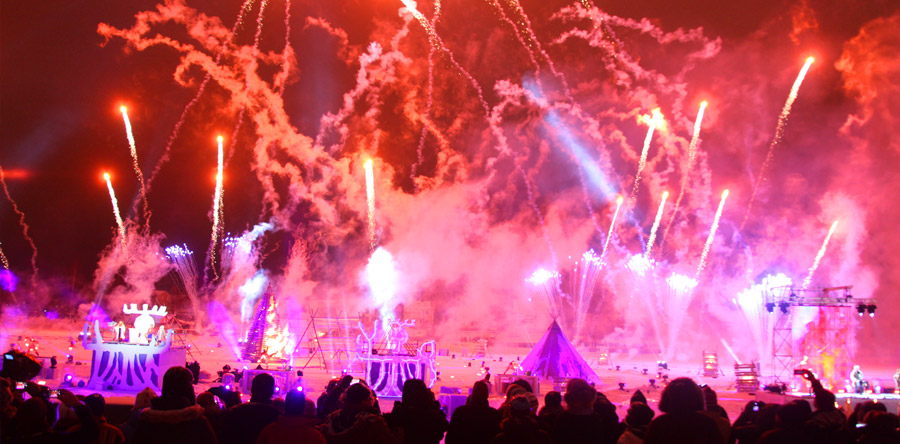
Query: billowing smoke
x,y
500,135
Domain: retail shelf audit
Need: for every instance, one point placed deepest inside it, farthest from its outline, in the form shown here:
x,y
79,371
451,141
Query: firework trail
x,y
217,209
779,132
429,102
654,121
254,50
25,228
137,168
692,156
370,201
115,205
612,226
493,119
659,213
281,79
200,90
712,235
812,270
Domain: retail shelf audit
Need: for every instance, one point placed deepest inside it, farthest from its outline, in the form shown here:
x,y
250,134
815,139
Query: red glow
x,y
16,174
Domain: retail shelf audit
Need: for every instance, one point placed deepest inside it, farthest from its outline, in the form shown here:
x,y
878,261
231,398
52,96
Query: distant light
x,y
299,388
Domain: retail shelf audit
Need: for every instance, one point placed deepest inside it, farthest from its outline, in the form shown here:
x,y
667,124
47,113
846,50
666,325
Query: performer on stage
x,y
856,378
897,381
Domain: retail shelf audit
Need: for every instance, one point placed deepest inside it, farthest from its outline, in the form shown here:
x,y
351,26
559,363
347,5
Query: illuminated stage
x,y
891,401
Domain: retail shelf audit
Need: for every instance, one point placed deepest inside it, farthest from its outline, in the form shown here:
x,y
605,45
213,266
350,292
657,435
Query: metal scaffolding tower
x,y
833,328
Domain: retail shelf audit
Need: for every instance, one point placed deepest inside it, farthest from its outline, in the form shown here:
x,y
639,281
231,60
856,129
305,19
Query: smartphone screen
x,y
20,385
54,394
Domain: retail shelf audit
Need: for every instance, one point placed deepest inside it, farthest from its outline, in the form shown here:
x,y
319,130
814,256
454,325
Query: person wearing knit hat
x,y
511,392
636,422
638,396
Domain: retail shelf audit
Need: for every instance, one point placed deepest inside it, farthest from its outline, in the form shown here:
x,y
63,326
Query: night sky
x,y
62,82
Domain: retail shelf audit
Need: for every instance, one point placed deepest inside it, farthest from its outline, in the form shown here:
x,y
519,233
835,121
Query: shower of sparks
x,y
812,270
659,213
653,121
612,226
370,201
712,234
115,205
692,156
3,260
217,208
134,160
25,228
779,132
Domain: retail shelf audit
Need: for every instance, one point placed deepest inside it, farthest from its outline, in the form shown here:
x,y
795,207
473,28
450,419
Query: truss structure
x,y
831,339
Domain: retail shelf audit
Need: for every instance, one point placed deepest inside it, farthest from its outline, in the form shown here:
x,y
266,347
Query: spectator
x,y
746,428
682,420
211,409
579,423
295,426
141,401
511,392
321,401
333,400
521,427
610,429
174,417
108,433
716,412
31,424
476,422
242,423
551,410
826,424
417,418
7,409
789,425
636,422
880,427
357,422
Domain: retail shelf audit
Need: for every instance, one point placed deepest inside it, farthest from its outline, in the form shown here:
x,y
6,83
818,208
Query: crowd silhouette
x,y
349,412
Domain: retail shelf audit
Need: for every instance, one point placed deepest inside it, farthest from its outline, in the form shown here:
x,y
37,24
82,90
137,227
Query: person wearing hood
x,y
636,420
417,418
174,417
476,422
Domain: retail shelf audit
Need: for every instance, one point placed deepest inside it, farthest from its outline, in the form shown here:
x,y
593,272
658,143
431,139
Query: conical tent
x,y
554,357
